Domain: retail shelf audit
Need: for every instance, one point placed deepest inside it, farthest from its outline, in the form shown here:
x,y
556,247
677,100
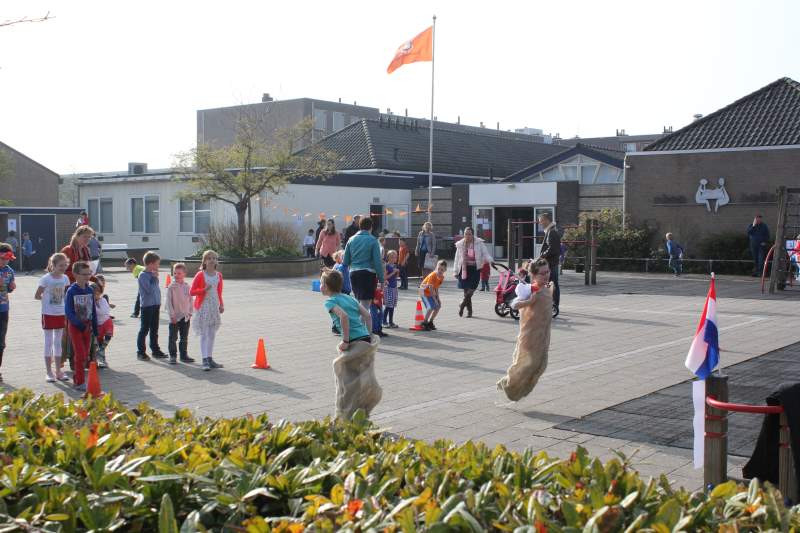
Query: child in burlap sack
x,y
533,341
354,367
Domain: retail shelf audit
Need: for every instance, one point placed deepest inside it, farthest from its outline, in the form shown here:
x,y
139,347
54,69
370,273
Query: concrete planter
x,y
257,267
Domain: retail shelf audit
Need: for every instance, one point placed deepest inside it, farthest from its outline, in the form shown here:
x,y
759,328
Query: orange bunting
x,y
348,219
402,213
389,211
418,210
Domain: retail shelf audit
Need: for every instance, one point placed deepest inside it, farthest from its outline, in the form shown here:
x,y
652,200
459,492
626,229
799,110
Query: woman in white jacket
x,y
471,255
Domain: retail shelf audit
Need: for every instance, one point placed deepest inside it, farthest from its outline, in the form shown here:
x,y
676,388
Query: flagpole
x,y
430,148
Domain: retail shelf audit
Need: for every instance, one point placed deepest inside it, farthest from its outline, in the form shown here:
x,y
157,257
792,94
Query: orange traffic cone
x,y
168,281
419,318
93,382
261,356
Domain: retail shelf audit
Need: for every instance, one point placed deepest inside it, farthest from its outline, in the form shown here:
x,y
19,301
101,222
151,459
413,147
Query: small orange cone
x,y
168,281
419,318
261,356
93,382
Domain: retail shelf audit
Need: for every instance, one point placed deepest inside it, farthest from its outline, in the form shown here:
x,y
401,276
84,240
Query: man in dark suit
x,y
351,230
551,250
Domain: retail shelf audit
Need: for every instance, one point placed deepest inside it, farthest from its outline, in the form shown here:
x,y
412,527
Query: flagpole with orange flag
x,y
420,48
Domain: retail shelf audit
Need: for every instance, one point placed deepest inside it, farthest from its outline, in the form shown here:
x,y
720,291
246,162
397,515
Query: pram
x,y
505,291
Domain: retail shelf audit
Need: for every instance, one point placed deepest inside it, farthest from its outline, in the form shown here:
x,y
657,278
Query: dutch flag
x,y
702,359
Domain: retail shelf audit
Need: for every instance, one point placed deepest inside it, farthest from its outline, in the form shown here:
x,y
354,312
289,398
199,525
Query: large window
x,y
320,120
195,216
338,121
101,214
144,214
396,219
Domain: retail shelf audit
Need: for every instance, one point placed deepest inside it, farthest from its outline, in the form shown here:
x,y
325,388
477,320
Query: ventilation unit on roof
x,y
137,168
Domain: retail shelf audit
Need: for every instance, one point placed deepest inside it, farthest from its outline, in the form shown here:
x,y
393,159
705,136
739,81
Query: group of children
x,y
77,319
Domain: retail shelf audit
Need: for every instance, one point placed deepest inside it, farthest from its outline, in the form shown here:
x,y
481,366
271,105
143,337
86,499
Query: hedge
x,y
95,465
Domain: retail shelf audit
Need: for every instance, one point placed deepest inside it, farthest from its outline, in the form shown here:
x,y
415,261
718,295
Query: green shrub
x,y
270,239
95,465
614,239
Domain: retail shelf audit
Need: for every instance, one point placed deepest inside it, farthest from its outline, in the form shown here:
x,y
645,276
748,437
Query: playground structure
x,y
787,228
715,459
516,238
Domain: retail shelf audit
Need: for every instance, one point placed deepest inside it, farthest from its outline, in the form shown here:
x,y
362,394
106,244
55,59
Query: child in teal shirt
x,y
352,320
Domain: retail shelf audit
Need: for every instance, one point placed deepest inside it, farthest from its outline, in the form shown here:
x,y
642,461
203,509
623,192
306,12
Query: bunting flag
x,y
418,210
420,48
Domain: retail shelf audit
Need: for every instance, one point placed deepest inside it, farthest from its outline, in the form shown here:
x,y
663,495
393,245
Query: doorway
x,y
42,229
515,214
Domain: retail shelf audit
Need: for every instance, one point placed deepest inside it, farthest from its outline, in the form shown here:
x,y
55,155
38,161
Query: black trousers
x,y
556,288
3,331
179,328
148,325
137,306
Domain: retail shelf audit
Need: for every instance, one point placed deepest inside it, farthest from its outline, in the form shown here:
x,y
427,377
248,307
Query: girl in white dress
x,y
207,292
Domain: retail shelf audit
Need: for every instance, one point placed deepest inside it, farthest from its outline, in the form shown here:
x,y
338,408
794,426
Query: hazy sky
x,y
104,83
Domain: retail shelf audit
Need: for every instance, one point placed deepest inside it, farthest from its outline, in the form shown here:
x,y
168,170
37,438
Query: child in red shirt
x,y
485,273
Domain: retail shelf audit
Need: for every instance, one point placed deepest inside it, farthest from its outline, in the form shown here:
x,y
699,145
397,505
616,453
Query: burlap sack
x,y
356,384
533,343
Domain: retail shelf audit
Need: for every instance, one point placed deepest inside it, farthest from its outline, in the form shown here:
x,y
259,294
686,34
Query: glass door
x,y
483,222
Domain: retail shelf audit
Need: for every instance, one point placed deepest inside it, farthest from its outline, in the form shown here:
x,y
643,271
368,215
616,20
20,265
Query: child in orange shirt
x,y
430,294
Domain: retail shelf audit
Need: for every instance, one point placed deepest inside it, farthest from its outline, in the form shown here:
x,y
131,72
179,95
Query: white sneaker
x,y
50,378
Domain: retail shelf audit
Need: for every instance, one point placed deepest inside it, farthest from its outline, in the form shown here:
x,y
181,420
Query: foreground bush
x,y
97,466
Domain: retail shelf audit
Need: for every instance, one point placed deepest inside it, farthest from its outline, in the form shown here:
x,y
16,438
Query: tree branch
x,y
11,22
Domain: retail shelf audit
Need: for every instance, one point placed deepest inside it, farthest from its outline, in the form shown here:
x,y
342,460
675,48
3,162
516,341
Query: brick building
x,y
715,174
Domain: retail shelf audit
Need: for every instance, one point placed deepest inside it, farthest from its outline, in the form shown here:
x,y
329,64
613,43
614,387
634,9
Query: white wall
x,y
302,199
334,202
510,194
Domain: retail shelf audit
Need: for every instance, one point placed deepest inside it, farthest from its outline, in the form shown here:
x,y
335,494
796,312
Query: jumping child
x,y
207,292
179,307
51,290
105,324
82,315
430,297
7,284
390,296
150,298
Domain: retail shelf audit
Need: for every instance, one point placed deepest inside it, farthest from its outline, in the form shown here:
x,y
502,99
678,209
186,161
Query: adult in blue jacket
x,y
362,256
758,233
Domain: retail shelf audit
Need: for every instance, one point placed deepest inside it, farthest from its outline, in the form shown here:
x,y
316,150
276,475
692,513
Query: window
x,y
144,214
587,173
101,214
195,216
338,121
320,120
396,219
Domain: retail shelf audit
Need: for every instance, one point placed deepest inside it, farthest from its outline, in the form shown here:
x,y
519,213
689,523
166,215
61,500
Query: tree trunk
x,y
241,224
250,228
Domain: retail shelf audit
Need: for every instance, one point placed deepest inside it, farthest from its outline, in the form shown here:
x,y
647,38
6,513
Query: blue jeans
x,y
759,254
676,265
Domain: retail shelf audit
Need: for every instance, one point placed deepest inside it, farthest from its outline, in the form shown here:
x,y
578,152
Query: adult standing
x,y
351,230
96,251
471,255
551,250
12,241
758,233
78,249
426,244
328,242
362,256
533,341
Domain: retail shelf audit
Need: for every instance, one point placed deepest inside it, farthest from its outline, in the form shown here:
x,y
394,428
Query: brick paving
x,y
621,340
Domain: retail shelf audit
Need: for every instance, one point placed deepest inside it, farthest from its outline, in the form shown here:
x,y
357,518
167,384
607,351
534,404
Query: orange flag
x,y
420,48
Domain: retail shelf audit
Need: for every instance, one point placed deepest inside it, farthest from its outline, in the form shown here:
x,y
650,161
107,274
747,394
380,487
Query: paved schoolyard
x,y
615,342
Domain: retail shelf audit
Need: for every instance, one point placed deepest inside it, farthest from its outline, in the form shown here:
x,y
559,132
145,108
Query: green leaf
x,y
724,490
669,513
166,517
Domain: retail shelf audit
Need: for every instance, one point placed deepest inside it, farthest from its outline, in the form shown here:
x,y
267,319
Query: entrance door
x,y
42,229
376,214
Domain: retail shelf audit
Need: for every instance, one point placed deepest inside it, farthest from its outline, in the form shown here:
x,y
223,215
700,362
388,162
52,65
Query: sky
x,y
104,83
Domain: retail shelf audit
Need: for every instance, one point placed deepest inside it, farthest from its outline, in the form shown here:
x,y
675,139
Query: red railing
x,y
744,408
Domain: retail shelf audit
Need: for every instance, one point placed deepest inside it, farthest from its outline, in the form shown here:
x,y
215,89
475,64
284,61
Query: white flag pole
x,y
430,148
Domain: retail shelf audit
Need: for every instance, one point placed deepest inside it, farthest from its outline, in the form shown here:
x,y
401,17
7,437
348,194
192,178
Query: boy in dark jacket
x,y
79,307
150,297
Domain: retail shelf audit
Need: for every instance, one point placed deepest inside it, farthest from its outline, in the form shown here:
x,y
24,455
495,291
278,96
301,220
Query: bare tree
x,y
252,165
11,22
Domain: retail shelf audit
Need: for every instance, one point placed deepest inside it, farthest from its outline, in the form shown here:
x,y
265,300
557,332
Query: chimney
x,y
340,100
406,111
459,120
698,116
498,126
137,168
482,126
266,98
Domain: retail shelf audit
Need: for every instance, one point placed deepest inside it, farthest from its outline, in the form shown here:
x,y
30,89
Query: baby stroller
x,y
505,291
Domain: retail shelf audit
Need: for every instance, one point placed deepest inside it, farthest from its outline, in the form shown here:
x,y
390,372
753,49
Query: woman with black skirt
x,y
471,255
